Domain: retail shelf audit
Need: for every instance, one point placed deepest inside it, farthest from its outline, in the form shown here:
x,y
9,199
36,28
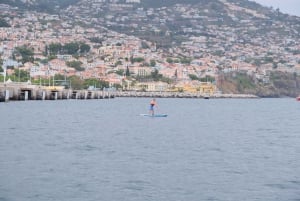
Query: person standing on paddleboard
x,y
152,105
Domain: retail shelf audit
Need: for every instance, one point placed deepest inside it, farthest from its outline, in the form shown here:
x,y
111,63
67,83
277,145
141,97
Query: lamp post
x,y
49,76
19,74
4,74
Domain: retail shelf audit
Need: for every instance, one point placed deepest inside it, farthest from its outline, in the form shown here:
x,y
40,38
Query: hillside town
x,y
128,62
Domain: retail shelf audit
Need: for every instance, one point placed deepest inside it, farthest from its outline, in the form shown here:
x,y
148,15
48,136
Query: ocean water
x,y
103,150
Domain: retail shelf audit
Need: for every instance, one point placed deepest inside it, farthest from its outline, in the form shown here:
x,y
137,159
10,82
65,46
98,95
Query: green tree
x,y
103,84
118,63
75,64
46,52
84,48
165,79
21,75
193,77
117,86
268,59
3,23
91,82
54,48
120,72
61,80
96,40
138,60
146,64
176,61
155,75
152,62
1,63
71,48
176,74
127,73
170,60
131,59
185,60
207,79
144,45
52,57
44,61
26,54
59,77
76,82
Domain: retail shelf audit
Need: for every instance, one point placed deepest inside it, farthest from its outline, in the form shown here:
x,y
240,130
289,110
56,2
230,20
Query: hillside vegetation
x,y
280,85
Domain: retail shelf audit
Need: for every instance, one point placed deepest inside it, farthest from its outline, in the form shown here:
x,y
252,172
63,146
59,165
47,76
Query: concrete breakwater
x,y
18,91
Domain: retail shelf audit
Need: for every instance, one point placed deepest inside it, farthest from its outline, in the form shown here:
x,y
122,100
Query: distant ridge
x,y
51,6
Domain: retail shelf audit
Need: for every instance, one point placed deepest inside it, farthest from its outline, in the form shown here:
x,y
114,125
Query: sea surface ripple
x,y
103,150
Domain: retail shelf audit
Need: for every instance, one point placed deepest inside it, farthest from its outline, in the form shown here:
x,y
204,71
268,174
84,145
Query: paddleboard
x,y
156,115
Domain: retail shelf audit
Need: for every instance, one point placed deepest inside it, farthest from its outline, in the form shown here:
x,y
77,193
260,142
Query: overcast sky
x,y
286,6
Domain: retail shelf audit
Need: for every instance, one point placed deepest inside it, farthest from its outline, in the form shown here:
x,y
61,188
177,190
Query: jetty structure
x,y
15,91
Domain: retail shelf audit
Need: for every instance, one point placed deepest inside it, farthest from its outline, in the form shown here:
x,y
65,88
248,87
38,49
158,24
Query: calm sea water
x,y
103,150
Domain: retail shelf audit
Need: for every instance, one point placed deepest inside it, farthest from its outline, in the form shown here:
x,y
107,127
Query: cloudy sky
x,y
286,6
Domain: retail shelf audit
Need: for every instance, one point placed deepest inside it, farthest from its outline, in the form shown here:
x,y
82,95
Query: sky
x,y
291,7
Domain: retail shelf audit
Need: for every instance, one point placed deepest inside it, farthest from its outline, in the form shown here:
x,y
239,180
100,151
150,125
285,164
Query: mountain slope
x,y
217,25
228,33
49,6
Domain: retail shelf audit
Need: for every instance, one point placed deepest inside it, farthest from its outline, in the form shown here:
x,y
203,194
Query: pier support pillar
x,y
55,95
26,95
6,95
43,95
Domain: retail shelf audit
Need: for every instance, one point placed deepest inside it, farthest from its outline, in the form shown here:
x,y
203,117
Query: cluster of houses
x,y
114,53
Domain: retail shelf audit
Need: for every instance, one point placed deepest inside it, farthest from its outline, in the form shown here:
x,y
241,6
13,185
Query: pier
x,y
25,92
